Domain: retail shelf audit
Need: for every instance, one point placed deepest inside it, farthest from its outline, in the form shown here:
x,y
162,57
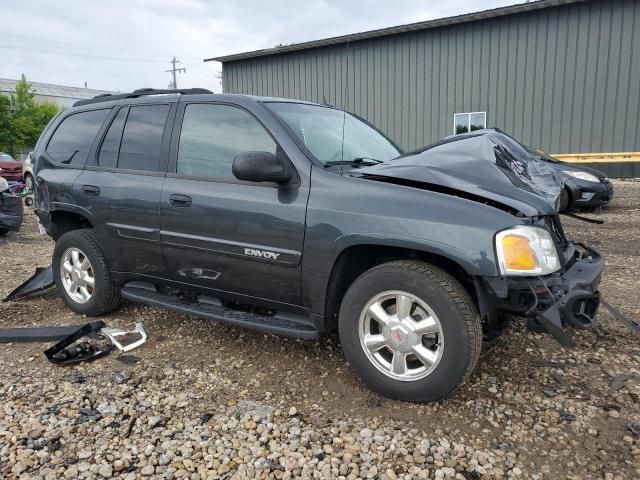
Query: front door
x,y
244,240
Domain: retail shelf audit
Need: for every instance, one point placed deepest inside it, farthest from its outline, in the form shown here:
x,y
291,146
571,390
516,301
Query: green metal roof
x,y
411,27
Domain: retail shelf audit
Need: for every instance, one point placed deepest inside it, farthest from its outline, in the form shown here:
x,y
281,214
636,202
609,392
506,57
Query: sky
x,y
122,45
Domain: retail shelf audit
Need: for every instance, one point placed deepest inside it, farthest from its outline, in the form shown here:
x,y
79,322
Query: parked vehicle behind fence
x,y
10,168
300,219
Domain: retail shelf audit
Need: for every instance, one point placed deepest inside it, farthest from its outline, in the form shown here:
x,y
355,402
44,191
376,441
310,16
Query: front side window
x,y
332,135
213,135
469,122
72,140
142,137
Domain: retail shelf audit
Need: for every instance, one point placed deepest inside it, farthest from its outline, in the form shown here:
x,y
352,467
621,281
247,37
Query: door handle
x,y
90,190
180,200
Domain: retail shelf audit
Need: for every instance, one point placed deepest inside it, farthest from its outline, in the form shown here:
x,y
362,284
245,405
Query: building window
x,y
468,122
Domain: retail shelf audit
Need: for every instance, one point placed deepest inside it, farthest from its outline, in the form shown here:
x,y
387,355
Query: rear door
x,y
238,238
122,183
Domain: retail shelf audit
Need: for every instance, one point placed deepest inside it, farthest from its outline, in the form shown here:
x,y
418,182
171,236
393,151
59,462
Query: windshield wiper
x,y
356,162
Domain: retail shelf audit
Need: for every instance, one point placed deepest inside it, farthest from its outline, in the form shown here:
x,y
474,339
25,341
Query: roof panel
x,y
441,22
51,90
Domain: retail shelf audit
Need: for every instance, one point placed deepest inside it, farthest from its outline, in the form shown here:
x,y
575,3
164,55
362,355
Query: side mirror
x,y
260,167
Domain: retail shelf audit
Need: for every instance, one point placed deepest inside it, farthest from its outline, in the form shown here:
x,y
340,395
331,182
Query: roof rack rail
x,y
107,97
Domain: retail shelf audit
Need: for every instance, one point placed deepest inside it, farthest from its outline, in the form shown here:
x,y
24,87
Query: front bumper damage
x,y
555,302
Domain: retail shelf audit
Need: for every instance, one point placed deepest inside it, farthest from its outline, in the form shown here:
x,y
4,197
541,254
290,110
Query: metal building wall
x,y
566,79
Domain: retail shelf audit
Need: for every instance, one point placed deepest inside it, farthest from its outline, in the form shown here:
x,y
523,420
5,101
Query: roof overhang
x,y
411,27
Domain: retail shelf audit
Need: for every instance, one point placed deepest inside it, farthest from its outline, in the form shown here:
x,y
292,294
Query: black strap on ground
x,y
36,334
584,219
629,322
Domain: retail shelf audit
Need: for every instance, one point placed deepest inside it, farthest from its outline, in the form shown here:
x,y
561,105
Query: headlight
x,y
582,176
526,251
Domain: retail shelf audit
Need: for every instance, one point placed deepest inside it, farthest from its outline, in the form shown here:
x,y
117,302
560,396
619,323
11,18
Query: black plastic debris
x,y
76,377
629,322
128,359
65,352
122,377
619,381
87,415
39,282
634,428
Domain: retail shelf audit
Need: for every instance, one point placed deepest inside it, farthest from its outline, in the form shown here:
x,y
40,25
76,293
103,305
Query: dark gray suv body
x,y
274,214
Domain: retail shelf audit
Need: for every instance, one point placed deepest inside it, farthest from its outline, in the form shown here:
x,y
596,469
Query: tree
x,y
22,120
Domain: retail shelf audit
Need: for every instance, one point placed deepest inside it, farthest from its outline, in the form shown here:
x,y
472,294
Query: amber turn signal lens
x,y
518,255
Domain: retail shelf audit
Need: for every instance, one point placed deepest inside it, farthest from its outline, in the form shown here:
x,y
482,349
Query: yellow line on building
x,y
621,157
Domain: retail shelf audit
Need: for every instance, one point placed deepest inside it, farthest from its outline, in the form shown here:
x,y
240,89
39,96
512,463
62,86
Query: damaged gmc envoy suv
x,y
299,219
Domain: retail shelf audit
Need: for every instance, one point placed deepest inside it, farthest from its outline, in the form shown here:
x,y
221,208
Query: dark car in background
x,y
10,209
10,168
584,187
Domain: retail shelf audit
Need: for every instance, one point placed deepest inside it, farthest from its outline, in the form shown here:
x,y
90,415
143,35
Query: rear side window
x,y
108,155
72,140
212,136
142,137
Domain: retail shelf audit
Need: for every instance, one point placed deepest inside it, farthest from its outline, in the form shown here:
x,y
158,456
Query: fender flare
x,y
479,267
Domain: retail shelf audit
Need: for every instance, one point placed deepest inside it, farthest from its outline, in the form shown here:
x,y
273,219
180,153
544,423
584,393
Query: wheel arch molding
x,y
356,254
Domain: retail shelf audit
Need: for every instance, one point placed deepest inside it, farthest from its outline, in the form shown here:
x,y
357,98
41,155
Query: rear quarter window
x,y
72,140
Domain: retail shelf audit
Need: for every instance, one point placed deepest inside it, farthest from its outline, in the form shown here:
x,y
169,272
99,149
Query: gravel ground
x,y
209,401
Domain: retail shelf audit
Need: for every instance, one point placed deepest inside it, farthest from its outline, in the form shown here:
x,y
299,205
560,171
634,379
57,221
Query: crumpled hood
x,y
486,164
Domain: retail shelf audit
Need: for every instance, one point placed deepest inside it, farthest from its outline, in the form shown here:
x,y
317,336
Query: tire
x,y
565,200
3,232
29,183
454,348
104,295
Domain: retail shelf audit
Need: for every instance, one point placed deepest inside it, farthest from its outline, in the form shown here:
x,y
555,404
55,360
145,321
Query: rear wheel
x,y
410,331
82,276
28,183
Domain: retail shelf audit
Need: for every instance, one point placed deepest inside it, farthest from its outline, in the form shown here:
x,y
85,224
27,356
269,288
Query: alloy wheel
x,y
401,335
77,275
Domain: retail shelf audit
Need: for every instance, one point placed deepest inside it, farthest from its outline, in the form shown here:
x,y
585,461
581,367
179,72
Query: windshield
x,y
322,130
5,157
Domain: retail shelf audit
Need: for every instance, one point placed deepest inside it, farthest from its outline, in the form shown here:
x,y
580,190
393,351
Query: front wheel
x,y
565,200
82,276
410,331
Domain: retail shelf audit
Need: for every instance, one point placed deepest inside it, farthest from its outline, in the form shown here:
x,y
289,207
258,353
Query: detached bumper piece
x,y
39,282
65,353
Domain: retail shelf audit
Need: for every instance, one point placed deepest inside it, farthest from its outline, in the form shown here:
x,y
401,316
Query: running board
x,y
290,325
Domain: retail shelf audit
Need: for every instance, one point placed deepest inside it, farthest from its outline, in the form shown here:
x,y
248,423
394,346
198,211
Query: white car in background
x,y
27,172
